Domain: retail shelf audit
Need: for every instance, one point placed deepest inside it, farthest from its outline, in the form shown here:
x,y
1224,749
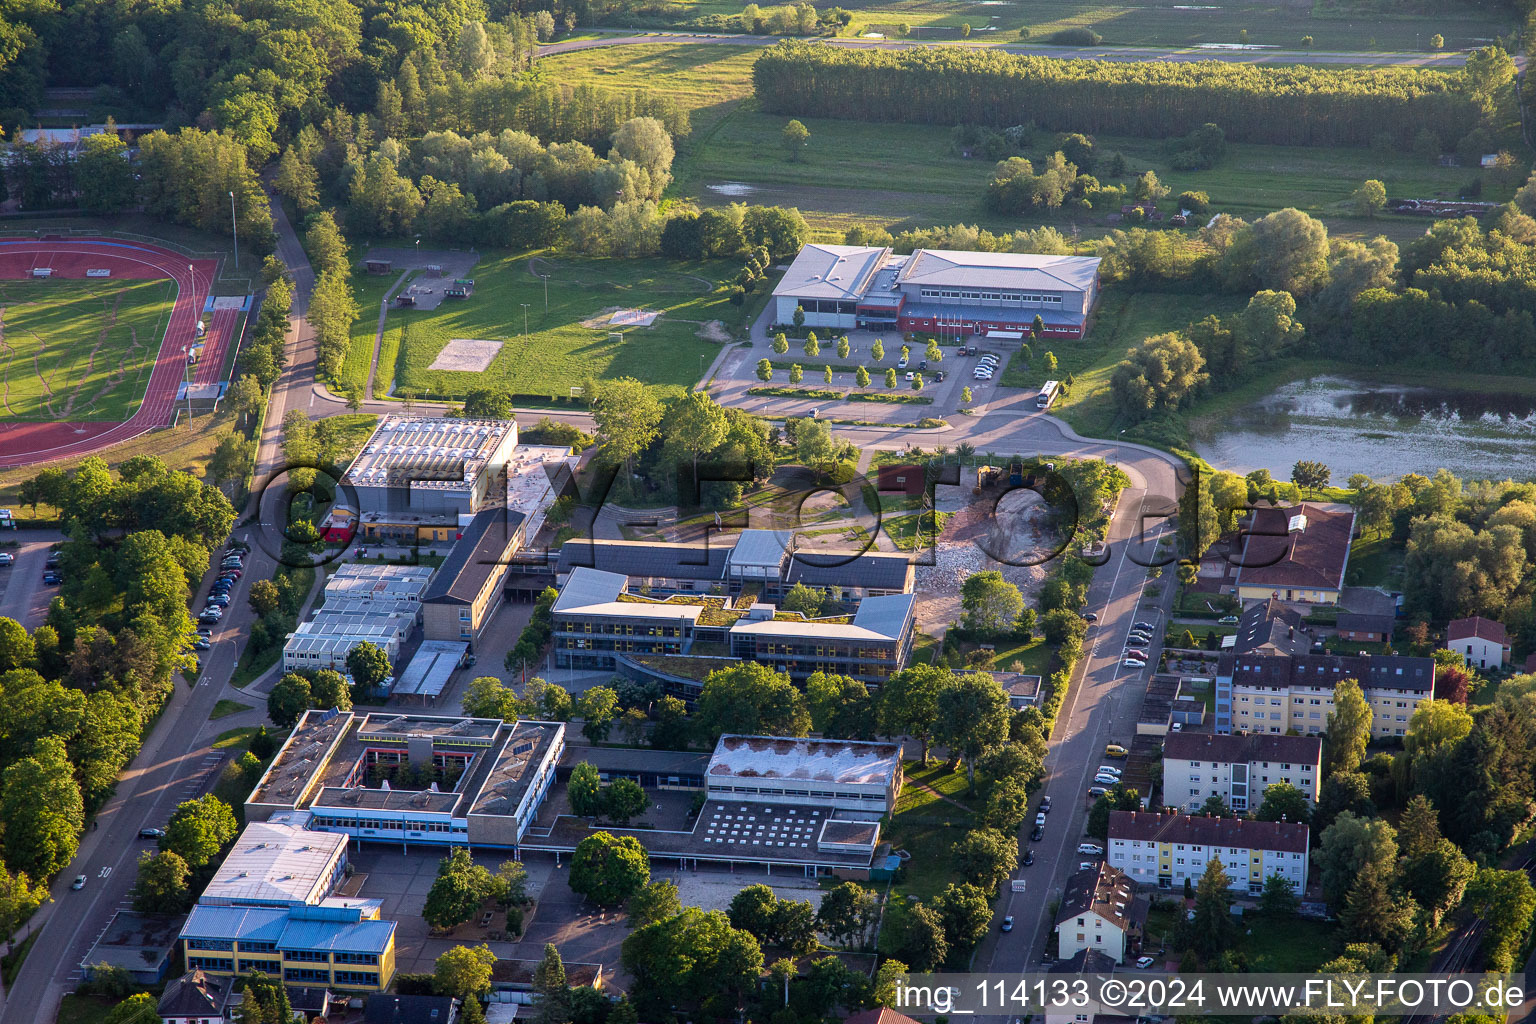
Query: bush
x,y
1075,37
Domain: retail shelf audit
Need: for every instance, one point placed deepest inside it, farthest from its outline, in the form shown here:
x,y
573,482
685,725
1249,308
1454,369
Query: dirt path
x,y
378,336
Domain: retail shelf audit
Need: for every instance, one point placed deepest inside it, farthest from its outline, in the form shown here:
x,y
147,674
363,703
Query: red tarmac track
x,y
24,444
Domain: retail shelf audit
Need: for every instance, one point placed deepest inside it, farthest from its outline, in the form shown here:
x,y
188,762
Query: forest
x,y
1295,105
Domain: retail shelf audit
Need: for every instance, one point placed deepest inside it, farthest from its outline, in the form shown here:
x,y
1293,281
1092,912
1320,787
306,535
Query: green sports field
x,y
560,351
79,350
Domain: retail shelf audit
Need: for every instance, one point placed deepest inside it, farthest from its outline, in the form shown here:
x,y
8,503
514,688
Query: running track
x,y
23,444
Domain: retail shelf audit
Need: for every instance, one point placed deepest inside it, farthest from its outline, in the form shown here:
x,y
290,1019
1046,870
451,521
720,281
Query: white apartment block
x,y
1164,850
1276,695
1237,768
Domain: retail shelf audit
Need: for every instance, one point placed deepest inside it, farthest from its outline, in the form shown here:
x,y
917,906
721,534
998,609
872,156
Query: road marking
x,y
105,872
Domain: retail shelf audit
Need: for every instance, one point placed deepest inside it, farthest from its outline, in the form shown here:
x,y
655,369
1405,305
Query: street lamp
x,y
186,379
234,228
1119,440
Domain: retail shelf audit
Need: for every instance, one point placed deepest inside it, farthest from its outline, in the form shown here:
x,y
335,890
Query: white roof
x,y
1000,270
588,587
805,628
277,864
778,757
832,271
760,549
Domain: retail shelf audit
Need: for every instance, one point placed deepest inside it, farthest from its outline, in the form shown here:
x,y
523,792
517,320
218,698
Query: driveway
x,y
23,595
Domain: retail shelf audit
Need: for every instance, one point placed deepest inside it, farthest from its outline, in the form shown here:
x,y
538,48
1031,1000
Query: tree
x,y
1050,357
848,914
598,706
369,666
1286,250
488,697
104,175
1310,474
488,404
916,935
965,395
843,347
232,459
1505,900
457,892
890,377
1371,912
1284,802
909,703
803,599
1279,897
967,914
1418,830
1369,199
1212,929
1340,792
877,350
780,342
1158,375
585,791
1436,876
1348,845
264,597
1148,189
695,956
329,690
288,700
696,425
296,179
794,139
628,415
609,870
841,707
812,347
16,647
1349,727
1437,41
752,910
826,374
655,902
464,972
552,988
625,800
972,716
861,378
764,370
986,857
200,829
751,699
162,886
796,373
991,604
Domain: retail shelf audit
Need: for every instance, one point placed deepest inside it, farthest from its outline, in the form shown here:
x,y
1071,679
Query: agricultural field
x,y
560,351
79,349
903,176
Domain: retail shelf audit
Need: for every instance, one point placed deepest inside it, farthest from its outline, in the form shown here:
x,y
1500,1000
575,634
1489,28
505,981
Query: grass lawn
x,y
368,290
225,708
1031,658
558,352
78,1009
1374,562
79,349
915,530
1123,320
929,834
235,739
936,776
1293,945
350,431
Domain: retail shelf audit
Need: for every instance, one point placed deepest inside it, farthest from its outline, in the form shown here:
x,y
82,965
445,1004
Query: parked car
x,y
1090,850
1040,818
1107,780
1045,805
1145,627
1097,791
903,364
1091,617
939,375
231,574
922,364
1114,750
78,883
1225,620
202,643
209,616
1143,962
151,833
6,558
53,560
1085,865
221,600
1037,835
1108,769
911,375
52,579
1133,663
1029,857
1136,652
1008,923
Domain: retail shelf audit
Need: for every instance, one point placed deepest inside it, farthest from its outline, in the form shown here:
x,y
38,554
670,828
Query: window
x,y
306,974
310,956
209,963
359,978
355,958
224,944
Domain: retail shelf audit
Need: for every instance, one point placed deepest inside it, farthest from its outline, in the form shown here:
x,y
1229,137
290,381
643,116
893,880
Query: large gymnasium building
x,y
938,291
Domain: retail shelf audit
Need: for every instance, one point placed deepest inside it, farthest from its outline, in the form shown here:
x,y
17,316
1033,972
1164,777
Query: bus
x,y
1047,394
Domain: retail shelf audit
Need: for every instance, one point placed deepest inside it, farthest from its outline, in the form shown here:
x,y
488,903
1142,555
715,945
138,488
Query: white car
x,y
1106,780
1085,865
1040,819
903,364
1134,663
1090,850
982,375
6,558
911,375
1105,769
1142,963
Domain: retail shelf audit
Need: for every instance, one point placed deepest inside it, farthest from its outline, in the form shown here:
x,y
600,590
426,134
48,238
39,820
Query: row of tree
x,y
1297,105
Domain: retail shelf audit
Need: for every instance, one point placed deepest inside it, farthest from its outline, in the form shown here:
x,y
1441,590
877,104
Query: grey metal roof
x,y
887,615
761,548
880,570
644,558
588,587
477,555
1000,270
430,667
831,271
637,759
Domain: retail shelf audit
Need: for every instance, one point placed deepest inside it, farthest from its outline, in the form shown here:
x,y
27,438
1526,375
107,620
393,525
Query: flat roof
x,y
430,668
437,452
831,271
130,937
503,787
272,862
852,762
1021,270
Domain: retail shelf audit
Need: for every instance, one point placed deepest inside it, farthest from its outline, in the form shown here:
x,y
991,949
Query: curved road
x,y
1173,54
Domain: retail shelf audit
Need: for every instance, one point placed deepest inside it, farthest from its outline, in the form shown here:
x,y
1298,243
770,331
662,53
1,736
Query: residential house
x,y
1167,849
1100,911
1484,643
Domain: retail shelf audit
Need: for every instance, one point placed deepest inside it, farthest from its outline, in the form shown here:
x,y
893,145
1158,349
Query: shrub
x,y
1075,37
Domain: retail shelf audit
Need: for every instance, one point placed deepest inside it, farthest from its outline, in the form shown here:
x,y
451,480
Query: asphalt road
x,y
23,595
1172,54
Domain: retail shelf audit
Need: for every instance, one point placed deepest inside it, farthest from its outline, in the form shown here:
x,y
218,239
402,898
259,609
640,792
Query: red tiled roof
x,y
1483,629
879,1015
1197,829
1237,749
1313,557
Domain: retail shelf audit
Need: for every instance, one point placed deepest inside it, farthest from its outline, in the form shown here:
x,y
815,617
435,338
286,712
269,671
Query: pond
x,y
1384,430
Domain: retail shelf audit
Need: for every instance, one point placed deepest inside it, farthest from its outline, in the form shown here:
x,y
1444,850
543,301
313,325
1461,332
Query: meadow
x,y
558,353
79,349
901,176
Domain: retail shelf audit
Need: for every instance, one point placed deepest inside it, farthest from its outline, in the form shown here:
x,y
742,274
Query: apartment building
x,y
1276,695
1100,911
598,624
1165,850
1237,768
